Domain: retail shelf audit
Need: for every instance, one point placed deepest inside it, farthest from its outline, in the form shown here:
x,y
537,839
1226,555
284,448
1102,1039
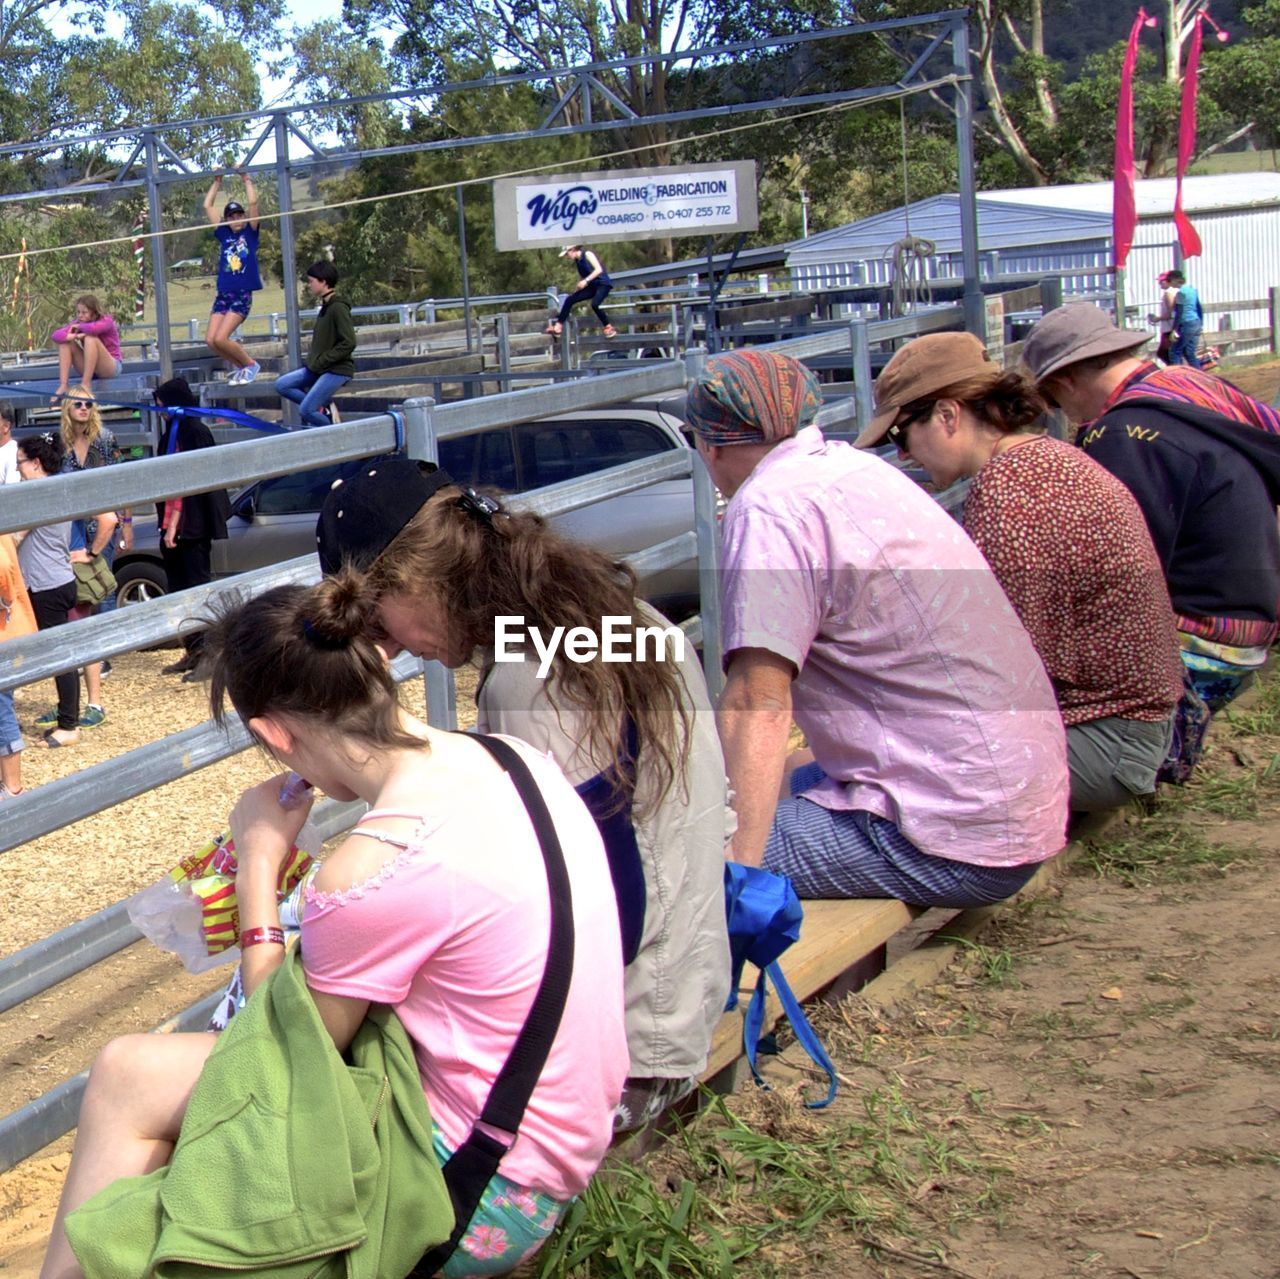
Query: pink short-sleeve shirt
x,y
918,689
452,934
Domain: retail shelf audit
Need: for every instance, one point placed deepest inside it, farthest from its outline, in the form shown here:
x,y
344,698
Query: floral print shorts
x,y
511,1223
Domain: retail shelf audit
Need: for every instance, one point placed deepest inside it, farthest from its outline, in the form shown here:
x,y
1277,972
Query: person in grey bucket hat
x,y
1069,351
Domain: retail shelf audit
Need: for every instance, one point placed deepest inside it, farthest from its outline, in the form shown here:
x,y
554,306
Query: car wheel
x,y
139,581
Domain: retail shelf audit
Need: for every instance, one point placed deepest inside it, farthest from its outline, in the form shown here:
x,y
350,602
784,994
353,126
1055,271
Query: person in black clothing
x,y
1208,485
188,525
594,285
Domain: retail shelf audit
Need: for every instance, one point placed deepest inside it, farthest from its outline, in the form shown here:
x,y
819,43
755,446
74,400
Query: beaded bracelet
x,y
255,936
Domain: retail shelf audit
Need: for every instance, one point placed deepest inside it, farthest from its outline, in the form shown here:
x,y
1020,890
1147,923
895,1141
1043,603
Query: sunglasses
x,y
81,404
897,433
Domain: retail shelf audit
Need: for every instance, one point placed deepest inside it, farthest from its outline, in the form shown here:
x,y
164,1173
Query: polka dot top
x,y
1071,549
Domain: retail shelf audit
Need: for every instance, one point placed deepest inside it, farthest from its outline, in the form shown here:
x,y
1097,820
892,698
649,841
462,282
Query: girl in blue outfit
x,y
594,285
236,230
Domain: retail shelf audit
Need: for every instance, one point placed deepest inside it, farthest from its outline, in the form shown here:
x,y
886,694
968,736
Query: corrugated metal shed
x,y
1066,230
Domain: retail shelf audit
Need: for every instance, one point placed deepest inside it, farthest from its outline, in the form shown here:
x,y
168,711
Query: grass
x,y
1164,848
1262,716
993,964
732,1197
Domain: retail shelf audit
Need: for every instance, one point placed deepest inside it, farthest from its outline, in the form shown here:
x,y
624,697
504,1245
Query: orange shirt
x,y
21,620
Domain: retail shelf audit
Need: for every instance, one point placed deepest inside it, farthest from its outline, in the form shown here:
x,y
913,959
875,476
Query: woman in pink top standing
x,y
90,345
437,904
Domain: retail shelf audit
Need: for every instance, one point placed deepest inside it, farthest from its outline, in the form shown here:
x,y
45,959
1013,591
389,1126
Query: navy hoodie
x,y
1209,488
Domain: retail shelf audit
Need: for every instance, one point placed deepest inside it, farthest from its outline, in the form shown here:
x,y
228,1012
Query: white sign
x,y
625,204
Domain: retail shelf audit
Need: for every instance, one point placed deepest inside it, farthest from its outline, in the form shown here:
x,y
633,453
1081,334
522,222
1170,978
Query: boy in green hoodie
x,y
333,342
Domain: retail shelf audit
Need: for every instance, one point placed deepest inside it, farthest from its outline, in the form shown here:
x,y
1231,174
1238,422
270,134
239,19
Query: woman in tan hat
x,y
1069,545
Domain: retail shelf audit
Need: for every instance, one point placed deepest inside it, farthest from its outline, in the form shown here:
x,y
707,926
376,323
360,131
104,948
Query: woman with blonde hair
x,y
88,444
90,345
454,574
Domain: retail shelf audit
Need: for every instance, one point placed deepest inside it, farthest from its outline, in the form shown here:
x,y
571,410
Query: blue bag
x,y
764,916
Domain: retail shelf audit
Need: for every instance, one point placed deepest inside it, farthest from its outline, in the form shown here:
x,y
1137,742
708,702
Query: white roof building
x,y
1066,230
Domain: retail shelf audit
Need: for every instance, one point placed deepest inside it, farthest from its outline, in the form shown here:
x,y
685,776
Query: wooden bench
x,y
842,944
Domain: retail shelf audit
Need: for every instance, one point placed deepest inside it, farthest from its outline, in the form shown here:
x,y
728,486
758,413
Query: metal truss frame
x,y
152,162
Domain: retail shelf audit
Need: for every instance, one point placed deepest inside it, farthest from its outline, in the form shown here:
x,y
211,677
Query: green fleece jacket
x,y
291,1163
333,340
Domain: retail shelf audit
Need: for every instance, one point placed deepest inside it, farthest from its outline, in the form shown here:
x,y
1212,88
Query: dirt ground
x,y
1094,1091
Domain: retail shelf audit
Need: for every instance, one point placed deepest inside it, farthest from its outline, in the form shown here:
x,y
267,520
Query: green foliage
x,y
46,292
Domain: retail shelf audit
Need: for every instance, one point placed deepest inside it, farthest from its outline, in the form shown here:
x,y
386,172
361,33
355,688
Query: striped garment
x,y
1201,390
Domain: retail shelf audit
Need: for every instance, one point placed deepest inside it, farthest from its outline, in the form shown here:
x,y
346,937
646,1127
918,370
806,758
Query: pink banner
x,y
1124,209
1188,238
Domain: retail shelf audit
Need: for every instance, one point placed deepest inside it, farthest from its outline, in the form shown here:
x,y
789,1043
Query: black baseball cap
x,y
233,208
363,515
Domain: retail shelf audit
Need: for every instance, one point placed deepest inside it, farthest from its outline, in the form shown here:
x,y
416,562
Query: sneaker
x,y
49,719
92,717
106,669
248,373
6,793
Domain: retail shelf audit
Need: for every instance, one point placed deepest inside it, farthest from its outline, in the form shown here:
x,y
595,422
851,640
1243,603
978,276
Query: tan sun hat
x,y
1074,332
927,364
569,248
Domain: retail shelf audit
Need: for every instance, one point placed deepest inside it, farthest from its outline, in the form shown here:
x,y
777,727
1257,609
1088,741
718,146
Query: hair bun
x,y
336,611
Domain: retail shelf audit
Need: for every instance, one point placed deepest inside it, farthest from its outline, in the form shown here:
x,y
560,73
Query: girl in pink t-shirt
x,y
436,904
90,345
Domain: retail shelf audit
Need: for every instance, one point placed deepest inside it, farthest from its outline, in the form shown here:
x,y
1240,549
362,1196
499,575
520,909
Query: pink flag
x,y
1124,215
1188,239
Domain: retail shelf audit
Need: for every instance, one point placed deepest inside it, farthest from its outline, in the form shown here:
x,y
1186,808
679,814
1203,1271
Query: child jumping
x,y
236,230
594,285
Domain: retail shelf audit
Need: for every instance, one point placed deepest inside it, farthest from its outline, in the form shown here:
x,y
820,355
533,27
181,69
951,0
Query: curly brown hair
x,y
508,563
304,651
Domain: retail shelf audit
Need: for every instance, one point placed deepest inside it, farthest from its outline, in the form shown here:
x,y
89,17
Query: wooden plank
x,y
1236,306
836,935
783,309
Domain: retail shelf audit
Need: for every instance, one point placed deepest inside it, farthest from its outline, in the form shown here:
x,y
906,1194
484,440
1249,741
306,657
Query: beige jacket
x,y
678,982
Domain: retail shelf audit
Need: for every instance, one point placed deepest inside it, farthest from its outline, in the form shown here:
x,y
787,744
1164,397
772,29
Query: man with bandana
x,y
854,605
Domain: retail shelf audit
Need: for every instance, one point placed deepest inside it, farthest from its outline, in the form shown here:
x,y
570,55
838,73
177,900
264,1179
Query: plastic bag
x,y
192,911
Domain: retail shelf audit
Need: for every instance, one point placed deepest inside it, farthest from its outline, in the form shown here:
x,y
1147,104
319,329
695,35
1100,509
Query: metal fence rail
x,y
417,430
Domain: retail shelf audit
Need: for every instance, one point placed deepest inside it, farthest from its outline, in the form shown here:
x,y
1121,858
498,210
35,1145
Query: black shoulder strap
x,y
471,1167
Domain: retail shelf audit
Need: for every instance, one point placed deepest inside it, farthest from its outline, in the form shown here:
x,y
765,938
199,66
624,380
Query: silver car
x,y
275,519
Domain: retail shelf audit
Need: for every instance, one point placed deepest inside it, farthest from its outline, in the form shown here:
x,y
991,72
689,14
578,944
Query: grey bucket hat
x,y
1074,332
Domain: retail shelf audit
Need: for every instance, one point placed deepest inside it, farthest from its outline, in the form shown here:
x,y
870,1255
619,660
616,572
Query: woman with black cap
x,y
448,568
188,525
236,230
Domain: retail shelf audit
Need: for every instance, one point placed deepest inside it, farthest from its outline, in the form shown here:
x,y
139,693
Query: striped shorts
x,y
826,853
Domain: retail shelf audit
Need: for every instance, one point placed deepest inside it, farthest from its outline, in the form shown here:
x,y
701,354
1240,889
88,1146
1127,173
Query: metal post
x,y
193,329
708,533
420,441
288,253
1273,293
159,273
974,317
466,271
863,391
502,335
1121,300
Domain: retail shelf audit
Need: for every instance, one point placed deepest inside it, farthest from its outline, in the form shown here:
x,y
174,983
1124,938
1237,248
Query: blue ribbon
x,y
234,416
